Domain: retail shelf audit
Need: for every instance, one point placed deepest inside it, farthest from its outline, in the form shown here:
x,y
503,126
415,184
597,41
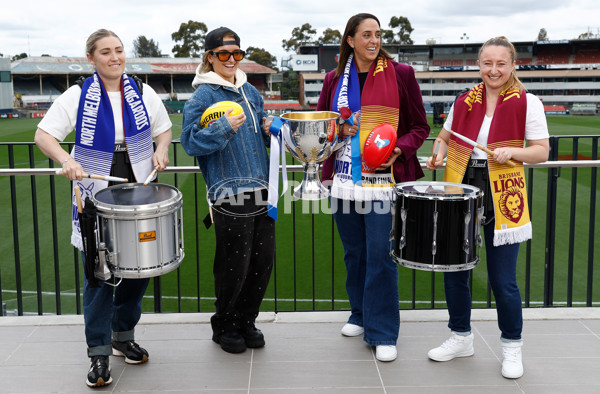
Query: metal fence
x,y
40,273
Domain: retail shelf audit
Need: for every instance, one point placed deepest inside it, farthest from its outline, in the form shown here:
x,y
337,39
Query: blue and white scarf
x,y
347,94
95,138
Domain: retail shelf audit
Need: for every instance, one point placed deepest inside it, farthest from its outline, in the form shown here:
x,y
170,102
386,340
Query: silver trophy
x,y
311,138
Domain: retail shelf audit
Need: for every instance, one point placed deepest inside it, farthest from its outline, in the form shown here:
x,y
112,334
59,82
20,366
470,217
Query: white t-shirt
x,y
536,127
61,118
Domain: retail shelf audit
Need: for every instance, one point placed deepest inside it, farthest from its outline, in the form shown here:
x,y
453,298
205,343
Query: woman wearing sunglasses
x,y
232,154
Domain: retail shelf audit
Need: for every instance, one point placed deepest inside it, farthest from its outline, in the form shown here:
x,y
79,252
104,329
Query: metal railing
x,y
41,273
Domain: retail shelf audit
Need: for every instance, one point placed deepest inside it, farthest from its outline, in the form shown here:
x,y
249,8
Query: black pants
x,y
245,248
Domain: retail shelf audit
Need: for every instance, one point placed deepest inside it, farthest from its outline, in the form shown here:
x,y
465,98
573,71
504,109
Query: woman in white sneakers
x,y
500,114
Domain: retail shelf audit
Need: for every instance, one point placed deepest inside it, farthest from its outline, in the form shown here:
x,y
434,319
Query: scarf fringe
x,y
513,235
77,241
364,193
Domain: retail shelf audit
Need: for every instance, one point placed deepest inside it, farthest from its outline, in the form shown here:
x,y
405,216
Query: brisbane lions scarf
x,y
507,183
95,138
378,103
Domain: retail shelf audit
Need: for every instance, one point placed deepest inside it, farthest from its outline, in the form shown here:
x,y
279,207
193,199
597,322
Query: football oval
x,y
379,145
217,110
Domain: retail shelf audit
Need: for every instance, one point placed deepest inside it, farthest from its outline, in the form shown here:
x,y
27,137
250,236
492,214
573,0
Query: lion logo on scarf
x,y
512,204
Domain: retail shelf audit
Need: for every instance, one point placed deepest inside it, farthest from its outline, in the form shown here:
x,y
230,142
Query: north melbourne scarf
x,y
378,103
95,138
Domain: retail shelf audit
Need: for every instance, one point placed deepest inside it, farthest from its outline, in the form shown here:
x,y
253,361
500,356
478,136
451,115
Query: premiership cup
x,y
311,138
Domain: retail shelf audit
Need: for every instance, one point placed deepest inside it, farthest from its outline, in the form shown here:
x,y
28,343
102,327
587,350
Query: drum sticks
x,y
476,145
101,177
151,176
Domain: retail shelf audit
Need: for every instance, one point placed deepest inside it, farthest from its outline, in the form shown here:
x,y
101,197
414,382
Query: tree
x,y
300,36
142,47
19,56
403,34
191,35
330,36
542,35
261,56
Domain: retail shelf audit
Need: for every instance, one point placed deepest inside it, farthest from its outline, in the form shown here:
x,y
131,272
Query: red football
x,y
379,145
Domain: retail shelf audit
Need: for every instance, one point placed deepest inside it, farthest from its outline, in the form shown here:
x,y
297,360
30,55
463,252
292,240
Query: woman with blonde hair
x,y
114,124
498,113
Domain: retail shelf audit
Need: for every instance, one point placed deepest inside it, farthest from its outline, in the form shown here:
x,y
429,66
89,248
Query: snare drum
x,y
140,229
437,226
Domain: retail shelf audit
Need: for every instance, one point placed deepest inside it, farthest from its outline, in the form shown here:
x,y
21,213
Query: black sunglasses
x,y
224,55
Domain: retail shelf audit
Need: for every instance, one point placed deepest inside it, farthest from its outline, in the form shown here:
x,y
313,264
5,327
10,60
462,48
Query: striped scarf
x,y
378,103
95,138
512,223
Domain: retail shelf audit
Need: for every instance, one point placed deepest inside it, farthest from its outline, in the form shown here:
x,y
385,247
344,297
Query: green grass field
x,y
309,270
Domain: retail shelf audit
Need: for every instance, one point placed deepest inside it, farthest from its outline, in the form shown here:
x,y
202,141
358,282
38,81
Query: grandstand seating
x,y
32,88
584,56
553,54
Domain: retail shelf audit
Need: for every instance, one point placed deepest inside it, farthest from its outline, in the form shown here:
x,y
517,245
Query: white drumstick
x,y
151,176
101,177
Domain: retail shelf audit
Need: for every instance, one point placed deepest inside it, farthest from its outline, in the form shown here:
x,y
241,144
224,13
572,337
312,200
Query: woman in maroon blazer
x,y
376,90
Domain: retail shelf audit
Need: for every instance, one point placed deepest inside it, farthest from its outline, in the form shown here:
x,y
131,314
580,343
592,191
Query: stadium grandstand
x,y
565,74
37,81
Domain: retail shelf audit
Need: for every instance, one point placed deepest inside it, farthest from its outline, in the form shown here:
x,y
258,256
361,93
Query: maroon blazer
x,y
413,128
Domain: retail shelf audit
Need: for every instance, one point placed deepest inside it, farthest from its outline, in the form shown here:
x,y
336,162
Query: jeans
x,y
502,275
109,316
245,249
372,276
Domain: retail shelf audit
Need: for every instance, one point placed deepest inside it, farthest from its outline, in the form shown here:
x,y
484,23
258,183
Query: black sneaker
x,y
99,374
253,337
231,342
133,353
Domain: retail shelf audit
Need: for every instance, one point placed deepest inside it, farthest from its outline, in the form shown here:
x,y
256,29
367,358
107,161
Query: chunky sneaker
x,y
253,337
455,346
512,363
99,374
231,342
133,353
386,352
352,330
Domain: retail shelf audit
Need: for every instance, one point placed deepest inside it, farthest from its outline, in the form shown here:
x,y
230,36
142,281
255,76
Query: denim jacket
x,y
231,162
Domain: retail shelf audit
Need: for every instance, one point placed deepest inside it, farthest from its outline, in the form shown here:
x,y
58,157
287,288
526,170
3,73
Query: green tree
x,y
586,36
191,35
261,56
402,36
330,36
542,35
143,47
300,36
19,56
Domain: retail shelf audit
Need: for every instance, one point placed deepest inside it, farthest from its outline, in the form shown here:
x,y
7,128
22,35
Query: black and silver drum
x,y
140,229
437,226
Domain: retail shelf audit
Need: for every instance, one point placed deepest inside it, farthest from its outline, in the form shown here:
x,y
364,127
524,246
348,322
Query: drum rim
x,y
172,202
475,193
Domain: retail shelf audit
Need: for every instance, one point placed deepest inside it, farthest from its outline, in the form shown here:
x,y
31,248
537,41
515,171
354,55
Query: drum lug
x,y
434,242
466,244
102,272
403,215
480,221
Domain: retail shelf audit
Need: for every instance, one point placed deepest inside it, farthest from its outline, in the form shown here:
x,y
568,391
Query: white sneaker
x,y
455,346
352,330
512,363
386,352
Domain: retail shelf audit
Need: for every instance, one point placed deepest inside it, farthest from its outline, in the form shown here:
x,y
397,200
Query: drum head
x,y
437,190
136,194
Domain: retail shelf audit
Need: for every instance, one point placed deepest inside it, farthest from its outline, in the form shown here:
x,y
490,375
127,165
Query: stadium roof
x,y
81,65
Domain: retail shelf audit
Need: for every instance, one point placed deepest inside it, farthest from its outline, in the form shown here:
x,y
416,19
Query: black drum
x,y
437,226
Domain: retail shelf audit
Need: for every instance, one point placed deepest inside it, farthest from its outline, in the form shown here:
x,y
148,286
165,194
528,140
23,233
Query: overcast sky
x,y
61,27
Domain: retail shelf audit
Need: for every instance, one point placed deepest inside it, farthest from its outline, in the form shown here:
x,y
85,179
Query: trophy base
x,y
310,191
